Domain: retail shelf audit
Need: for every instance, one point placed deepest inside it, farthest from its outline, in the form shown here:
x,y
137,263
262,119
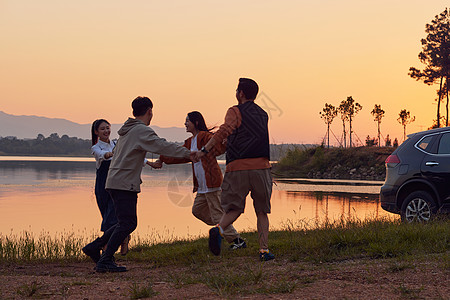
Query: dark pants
x,y
125,203
104,201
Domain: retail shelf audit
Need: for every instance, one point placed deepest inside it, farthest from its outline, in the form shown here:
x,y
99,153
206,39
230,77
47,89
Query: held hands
x,y
108,155
194,156
156,164
198,155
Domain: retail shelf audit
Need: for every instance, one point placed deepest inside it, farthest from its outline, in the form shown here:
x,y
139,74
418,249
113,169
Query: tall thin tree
x,y
351,108
445,90
435,55
405,119
343,112
378,114
328,113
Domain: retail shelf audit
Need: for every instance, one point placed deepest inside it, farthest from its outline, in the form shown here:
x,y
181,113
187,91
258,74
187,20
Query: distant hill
x,y
28,127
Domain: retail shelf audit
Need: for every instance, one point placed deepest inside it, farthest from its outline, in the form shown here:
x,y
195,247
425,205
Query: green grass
x,y
347,239
29,290
139,292
400,266
340,240
26,247
229,279
282,286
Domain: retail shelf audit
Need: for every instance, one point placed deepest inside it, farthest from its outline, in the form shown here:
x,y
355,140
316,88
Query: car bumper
x,y
388,199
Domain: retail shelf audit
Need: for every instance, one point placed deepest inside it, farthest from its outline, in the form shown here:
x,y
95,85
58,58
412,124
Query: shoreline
x,y
330,181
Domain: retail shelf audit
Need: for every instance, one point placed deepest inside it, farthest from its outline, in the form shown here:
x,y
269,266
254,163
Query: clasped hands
x,y
194,156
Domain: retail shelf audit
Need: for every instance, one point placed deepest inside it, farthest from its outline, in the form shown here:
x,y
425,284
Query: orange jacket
x,y
213,173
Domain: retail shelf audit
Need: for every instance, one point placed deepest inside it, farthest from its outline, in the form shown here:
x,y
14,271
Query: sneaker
x,y
215,240
109,266
238,243
265,256
92,250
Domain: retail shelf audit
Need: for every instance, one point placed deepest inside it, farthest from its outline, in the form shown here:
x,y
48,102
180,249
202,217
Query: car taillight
x,y
392,160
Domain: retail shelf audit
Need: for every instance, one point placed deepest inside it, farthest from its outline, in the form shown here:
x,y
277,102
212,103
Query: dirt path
x,y
427,278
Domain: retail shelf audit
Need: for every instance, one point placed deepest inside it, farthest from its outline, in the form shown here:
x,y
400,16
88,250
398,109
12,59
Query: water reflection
x,y
36,172
55,196
318,206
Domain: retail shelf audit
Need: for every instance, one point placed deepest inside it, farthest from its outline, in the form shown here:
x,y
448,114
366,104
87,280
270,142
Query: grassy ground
x,y
345,239
305,255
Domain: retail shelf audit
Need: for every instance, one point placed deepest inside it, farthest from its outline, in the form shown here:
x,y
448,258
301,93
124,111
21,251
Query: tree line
x,y
348,109
73,146
52,145
435,55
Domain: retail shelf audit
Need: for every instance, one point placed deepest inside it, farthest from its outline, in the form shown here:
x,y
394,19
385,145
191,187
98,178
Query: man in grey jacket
x,y
124,180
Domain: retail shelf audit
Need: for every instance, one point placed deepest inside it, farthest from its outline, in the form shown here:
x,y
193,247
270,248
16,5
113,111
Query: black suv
x,y
417,182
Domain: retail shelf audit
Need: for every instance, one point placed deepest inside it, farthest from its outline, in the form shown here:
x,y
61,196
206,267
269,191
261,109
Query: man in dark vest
x,y
248,168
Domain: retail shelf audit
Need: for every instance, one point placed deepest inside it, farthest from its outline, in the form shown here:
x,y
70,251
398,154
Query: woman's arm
x,y
100,154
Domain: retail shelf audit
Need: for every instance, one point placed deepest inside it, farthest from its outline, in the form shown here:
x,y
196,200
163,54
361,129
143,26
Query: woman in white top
x,y
102,149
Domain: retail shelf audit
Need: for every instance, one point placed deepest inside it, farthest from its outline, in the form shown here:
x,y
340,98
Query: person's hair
x,y
140,106
249,87
95,127
199,122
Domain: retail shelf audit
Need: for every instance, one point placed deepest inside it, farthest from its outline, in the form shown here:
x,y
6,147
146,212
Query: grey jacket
x,y
135,140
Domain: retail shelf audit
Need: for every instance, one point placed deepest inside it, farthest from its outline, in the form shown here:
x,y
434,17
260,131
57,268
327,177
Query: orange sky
x,y
81,60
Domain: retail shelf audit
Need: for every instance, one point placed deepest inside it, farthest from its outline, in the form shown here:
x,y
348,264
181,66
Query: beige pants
x,y
207,208
235,187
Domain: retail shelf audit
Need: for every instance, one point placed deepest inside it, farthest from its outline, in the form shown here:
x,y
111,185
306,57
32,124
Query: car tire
x,y
419,206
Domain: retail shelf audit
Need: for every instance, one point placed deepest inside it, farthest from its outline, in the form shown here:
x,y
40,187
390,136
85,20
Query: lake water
x,y
56,195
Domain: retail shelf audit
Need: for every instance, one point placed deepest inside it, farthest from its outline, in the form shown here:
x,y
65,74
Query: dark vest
x,y
251,139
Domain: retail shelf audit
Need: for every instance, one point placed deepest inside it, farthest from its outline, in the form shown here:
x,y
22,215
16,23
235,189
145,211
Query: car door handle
x,y
431,163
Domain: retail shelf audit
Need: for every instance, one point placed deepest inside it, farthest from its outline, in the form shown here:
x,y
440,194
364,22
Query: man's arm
x,y
233,120
151,142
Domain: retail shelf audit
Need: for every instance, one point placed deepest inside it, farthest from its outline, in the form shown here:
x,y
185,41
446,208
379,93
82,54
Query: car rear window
x,y
425,143
444,144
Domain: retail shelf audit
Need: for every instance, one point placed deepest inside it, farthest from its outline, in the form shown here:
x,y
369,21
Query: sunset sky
x,y
88,59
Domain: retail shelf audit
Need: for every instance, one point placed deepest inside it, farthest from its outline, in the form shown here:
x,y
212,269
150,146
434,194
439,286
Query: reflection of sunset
x,y
317,206
50,209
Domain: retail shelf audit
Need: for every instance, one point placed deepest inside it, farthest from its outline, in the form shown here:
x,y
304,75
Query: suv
x,y
417,182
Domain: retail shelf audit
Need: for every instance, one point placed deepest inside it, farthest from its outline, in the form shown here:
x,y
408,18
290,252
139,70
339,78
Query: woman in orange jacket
x,y
207,177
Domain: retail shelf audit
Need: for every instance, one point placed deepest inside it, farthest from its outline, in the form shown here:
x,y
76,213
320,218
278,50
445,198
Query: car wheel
x,y
418,207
